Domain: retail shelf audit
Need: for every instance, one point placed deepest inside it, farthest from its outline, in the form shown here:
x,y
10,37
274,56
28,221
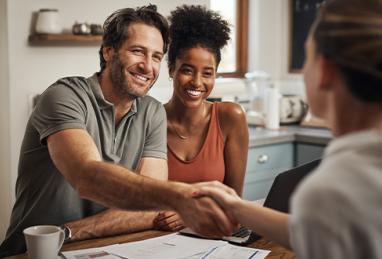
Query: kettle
x,y
293,109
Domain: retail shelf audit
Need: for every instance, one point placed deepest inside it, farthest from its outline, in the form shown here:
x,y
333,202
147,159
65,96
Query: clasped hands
x,y
208,210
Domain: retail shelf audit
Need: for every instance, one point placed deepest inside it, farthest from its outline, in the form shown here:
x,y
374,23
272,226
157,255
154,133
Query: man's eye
x,y
187,71
137,51
157,58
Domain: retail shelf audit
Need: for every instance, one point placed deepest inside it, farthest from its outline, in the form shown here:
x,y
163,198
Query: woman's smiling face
x,y
194,76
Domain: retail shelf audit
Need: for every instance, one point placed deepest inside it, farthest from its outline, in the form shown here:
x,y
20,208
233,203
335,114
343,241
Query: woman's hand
x,y
168,221
225,196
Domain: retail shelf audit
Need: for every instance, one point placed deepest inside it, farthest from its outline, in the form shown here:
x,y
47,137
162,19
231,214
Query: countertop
x,y
259,136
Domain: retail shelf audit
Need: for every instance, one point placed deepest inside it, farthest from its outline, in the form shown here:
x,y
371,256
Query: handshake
x,y
208,208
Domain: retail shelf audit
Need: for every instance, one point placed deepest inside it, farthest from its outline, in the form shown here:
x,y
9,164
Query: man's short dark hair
x,y
117,24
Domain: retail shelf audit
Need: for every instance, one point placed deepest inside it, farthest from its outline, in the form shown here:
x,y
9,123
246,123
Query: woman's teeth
x,y
194,92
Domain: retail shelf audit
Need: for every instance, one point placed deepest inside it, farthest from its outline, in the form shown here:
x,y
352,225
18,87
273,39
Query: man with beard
x,y
93,145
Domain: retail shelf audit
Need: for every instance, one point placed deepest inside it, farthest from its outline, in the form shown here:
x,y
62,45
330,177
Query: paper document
x,y
176,246
230,251
91,253
171,246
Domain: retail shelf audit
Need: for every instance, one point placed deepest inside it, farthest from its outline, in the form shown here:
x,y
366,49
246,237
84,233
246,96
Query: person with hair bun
x,y
336,211
206,141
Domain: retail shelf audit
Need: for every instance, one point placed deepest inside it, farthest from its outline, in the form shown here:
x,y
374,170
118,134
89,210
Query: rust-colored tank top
x,y
208,164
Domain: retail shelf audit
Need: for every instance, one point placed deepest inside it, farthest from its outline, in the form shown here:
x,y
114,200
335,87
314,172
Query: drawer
x,y
271,156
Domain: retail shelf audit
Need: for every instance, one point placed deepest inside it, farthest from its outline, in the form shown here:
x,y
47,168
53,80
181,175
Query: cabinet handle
x,y
262,159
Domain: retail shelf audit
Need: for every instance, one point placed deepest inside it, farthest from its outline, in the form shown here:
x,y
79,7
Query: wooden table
x,y
277,251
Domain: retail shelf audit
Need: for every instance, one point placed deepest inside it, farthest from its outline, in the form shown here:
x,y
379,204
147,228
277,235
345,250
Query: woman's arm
x,y
235,130
267,222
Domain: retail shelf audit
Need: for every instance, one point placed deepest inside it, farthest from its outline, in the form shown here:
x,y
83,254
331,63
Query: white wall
x,y
33,69
269,43
5,172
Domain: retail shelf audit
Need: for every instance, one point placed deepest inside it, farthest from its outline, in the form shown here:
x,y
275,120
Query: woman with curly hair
x,y
206,141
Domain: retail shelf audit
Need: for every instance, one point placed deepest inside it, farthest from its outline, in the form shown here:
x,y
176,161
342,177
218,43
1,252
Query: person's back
x,y
337,212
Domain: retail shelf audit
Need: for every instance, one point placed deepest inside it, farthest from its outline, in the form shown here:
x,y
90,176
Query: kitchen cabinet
x,y
307,152
267,161
264,164
272,152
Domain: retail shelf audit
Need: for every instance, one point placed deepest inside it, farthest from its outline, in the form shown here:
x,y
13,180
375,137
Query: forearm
x,y
272,224
124,189
111,222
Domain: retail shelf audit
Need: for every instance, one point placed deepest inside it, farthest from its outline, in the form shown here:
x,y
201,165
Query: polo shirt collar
x,y
102,102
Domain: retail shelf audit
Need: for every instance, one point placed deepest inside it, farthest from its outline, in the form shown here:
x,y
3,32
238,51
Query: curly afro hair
x,y
195,26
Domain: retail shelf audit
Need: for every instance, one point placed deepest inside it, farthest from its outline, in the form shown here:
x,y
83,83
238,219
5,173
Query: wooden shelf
x,y
64,39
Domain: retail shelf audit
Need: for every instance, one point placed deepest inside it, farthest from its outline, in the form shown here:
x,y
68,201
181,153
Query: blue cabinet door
x,y
264,163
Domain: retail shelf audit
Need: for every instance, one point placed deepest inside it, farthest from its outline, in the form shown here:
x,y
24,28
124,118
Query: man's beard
x,y
120,83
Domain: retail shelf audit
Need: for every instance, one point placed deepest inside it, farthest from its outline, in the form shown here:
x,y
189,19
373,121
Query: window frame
x,y
241,39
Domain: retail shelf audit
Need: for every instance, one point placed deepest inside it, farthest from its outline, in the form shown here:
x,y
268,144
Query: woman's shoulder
x,y
231,115
230,111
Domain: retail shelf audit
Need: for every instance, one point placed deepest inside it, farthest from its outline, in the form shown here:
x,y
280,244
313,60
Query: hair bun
x,y
190,22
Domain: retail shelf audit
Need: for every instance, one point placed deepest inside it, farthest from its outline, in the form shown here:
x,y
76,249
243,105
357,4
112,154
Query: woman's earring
x,y
170,79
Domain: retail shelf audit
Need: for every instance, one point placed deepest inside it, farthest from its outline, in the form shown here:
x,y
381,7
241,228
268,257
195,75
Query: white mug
x,y
44,242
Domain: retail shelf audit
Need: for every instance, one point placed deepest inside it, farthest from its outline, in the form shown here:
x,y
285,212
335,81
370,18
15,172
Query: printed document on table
x,y
229,251
99,253
172,246
176,246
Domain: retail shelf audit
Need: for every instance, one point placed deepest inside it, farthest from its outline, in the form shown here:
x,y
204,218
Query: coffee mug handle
x,y
61,240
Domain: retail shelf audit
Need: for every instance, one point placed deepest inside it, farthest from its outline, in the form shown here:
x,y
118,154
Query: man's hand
x,y
168,221
202,214
225,196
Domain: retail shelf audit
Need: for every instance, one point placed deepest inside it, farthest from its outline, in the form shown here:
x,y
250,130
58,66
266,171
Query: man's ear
x,y
329,73
107,53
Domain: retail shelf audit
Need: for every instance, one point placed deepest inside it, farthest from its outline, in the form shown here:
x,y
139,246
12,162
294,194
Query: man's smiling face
x,y
135,66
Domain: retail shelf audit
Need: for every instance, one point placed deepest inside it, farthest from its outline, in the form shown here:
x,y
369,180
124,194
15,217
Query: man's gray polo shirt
x,y
43,196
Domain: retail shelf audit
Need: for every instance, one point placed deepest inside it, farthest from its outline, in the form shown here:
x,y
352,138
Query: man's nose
x,y
146,65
